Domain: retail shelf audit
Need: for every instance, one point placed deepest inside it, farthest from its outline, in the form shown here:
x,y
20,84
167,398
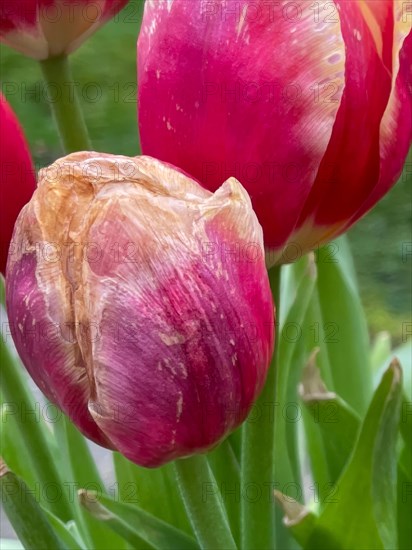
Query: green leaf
x,y
338,423
64,532
346,331
140,529
148,488
81,472
13,446
26,516
290,361
380,350
404,501
404,489
33,438
406,423
404,355
226,471
363,515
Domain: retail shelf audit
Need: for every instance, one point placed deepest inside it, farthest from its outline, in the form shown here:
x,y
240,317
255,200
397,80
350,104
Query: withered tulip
x,y
140,304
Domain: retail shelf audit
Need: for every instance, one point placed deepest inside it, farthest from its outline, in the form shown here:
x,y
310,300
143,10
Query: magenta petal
x,y
47,346
179,366
17,180
252,96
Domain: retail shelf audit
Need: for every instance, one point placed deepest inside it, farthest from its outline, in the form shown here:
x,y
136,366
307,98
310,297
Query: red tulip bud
x,y
140,304
47,28
17,181
308,105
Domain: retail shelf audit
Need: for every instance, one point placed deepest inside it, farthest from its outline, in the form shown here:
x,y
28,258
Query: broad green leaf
x,y
235,439
25,514
364,513
13,446
33,437
406,423
338,423
345,327
153,490
404,501
81,472
140,529
314,450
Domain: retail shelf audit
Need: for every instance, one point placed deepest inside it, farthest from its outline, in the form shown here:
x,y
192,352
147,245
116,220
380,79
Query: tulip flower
x,y
308,105
48,28
17,180
140,304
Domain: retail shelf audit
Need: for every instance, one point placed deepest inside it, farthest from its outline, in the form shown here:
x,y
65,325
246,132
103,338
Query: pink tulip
x,y
47,28
307,104
140,304
17,181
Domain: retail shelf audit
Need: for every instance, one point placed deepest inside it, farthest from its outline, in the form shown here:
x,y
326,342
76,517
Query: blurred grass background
x,y
104,70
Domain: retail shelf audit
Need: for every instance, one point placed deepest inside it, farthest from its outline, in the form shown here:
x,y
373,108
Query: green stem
x,y
203,503
38,453
66,107
258,459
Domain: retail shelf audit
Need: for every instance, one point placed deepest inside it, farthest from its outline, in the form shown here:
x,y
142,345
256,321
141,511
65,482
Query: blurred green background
x,y
104,70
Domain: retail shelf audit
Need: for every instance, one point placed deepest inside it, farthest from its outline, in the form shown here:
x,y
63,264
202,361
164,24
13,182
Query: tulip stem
x,y
65,105
203,503
258,458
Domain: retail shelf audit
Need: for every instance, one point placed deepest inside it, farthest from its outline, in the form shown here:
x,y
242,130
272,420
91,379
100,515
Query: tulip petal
x,y
41,319
17,180
364,158
262,112
184,325
352,163
397,119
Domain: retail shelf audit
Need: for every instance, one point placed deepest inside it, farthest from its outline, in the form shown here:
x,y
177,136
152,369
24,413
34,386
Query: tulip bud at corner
x,y
141,304
17,180
48,28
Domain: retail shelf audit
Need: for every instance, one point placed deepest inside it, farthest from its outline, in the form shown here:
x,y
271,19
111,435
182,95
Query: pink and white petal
x,y
259,113
396,126
48,348
350,168
185,338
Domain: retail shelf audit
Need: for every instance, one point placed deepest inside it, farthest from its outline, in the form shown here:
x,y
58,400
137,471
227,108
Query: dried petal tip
x,y
3,468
